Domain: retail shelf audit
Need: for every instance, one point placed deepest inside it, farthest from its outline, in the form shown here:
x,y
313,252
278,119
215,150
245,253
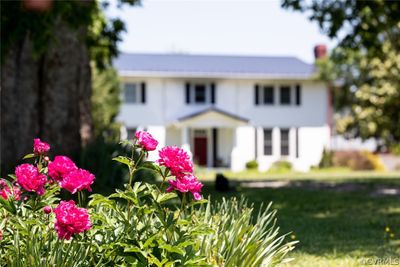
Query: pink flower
x,y
146,140
176,159
70,219
5,191
77,180
47,209
60,167
29,178
40,147
187,183
1,234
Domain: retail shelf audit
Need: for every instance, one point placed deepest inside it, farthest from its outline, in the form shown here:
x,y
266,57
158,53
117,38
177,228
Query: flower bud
x,y
47,209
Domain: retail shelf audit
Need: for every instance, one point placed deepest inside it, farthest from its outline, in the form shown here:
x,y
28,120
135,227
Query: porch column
x,y
185,140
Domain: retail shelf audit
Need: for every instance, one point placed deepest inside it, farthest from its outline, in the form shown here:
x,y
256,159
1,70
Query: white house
x,y
227,110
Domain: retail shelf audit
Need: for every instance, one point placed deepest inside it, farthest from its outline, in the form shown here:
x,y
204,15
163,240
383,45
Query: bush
x,y
237,240
141,225
252,165
326,160
357,160
281,166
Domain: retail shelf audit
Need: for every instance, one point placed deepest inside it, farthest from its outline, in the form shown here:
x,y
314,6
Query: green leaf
x,y
165,197
125,160
173,249
8,205
29,156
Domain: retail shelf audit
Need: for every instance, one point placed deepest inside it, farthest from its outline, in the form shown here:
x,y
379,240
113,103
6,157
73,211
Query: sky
x,y
241,27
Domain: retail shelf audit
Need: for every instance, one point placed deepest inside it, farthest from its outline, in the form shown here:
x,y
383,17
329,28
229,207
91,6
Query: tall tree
x,y
366,62
45,72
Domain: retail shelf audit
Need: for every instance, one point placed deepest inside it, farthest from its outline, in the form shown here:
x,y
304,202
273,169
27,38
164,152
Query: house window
x,y
199,93
268,142
135,93
268,95
264,95
285,142
285,95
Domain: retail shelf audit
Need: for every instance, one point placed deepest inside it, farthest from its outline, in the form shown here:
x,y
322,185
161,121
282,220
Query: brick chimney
x,y
320,51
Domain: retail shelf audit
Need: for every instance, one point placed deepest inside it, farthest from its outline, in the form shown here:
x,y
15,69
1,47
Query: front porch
x,y
210,137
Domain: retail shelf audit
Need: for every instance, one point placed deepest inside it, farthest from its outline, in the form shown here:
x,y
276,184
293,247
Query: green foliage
x,y
102,34
241,236
105,98
97,158
281,166
326,160
141,225
366,61
137,226
252,165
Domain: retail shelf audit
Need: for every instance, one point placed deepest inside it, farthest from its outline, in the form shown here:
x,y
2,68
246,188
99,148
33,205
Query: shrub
x,y
141,225
281,166
357,160
237,240
326,160
252,165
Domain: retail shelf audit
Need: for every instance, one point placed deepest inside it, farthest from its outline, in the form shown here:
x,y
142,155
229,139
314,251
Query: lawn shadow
x,y
346,218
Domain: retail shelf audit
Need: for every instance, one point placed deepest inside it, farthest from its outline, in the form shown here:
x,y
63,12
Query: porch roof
x,y
212,117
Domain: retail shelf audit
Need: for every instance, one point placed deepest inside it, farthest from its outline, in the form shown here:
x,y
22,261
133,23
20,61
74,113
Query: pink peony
x,y
187,183
5,191
70,219
29,178
176,159
146,141
77,180
1,234
60,167
40,147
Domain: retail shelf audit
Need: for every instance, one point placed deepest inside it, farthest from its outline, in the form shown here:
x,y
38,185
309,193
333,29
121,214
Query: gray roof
x,y
184,65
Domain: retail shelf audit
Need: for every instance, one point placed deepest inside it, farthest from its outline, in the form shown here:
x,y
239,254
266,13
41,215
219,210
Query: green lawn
x,y
339,221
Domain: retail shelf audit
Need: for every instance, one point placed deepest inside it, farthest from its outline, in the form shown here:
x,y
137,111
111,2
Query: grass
x,y
340,223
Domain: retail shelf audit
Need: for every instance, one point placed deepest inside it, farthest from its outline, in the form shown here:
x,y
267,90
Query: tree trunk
x,y
46,97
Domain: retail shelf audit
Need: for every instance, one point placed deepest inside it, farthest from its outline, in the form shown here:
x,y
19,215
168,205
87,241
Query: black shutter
x,y
143,88
298,95
213,93
187,87
256,94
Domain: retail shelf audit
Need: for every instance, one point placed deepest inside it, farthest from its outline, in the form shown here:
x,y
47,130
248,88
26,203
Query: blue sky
x,y
241,27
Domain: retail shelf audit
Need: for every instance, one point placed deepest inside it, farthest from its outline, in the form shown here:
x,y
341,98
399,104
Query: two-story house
x,y
227,110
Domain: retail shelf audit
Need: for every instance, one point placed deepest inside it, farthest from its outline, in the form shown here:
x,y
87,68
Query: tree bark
x,y
46,97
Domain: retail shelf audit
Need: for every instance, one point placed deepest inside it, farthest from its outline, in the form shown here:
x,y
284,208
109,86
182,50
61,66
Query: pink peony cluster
x,y
40,147
60,167
5,191
176,160
70,219
146,140
77,180
180,165
29,178
186,183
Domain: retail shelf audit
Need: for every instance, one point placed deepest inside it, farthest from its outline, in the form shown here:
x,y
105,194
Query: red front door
x,y
200,150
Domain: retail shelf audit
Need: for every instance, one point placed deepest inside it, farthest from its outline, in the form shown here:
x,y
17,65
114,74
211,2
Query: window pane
x,y
130,93
285,95
200,93
284,142
268,95
267,141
